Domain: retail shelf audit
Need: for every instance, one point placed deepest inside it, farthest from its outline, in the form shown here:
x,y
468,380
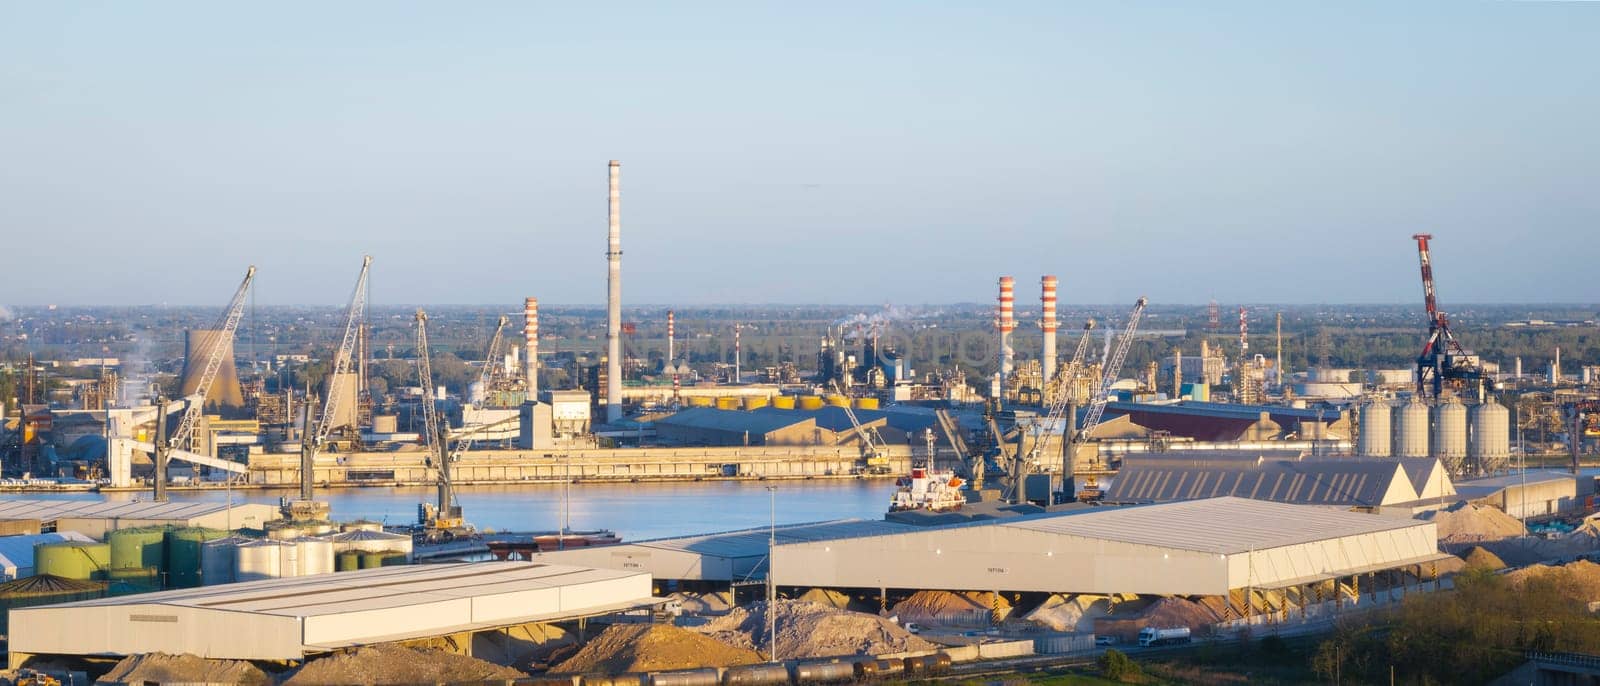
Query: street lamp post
x,y
772,587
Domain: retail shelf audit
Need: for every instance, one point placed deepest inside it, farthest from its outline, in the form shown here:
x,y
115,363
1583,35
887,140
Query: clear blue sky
x,y
798,152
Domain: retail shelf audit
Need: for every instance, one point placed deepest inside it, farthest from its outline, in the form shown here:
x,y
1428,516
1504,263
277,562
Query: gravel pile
x,y
1478,557
944,607
807,630
1579,581
163,668
1467,523
1074,613
650,648
392,664
1163,613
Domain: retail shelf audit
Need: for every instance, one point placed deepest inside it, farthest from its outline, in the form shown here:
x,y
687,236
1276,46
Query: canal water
x,y
635,511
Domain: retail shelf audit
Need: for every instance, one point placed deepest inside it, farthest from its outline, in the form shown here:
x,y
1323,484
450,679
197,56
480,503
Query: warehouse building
x,y
725,557
1206,421
1531,495
94,518
1397,484
293,618
1195,548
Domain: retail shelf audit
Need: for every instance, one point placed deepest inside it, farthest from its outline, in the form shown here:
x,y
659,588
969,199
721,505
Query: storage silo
x,y
219,560
44,589
1377,431
259,560
184,563
138,548
370,542
1450,433
1411,429
1490,444
361,525
315,555
76,560
284,530
134,580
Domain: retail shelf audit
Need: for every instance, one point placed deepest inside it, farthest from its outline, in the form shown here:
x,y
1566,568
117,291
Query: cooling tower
x,y
224,391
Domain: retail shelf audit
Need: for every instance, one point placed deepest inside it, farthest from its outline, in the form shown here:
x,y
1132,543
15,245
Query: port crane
x,y
315,438
1097,408
494,362
1444,362
1058,392
952,433
874,453
227,324
445,517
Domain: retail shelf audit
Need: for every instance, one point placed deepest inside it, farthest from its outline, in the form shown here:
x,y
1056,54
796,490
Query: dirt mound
x,y
653,647
823,596
164,668
944,607
1075,613
392,664
1468,523
1163,613
705,603
1478,557
813,630
1579,581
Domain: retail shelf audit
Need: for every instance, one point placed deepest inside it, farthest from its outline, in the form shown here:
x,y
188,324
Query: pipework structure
x,y
614,295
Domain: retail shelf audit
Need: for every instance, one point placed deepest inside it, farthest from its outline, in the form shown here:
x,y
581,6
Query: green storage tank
x,y
394,558
183,554
138,548
372,560
347,561
72,559
44,589
137,580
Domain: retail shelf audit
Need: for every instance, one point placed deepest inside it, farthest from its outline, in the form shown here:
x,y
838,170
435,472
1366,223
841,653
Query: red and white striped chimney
x,y
1006,323
1244,334
1047,322
530,345
671,338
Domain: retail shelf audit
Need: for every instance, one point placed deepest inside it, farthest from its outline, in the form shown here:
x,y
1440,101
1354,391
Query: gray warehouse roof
x,y
1345,482
731,420
47,510
292,617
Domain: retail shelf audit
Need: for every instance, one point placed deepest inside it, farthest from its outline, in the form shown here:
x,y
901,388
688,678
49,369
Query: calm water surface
x,y
634,510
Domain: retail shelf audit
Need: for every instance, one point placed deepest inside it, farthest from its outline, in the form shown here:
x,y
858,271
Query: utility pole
x,y
162,451
772,586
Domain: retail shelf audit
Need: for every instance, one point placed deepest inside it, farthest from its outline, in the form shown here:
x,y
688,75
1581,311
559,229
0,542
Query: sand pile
x,y
705,603
1478,557
1163,613
813,630
1075,613
823,596
944,607
164,668
653,647
1579,581
392,664
1468,523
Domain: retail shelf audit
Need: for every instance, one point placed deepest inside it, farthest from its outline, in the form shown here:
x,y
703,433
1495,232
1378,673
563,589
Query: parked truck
x,y
1153,636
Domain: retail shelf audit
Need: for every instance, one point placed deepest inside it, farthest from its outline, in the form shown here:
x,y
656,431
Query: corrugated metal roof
x,y
746,543
328,594
1345,481
735,421
1215,525
49,510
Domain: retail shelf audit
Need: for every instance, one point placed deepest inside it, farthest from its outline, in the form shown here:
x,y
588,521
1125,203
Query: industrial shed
x,y
95,518
1206,421
1201,547
292,618
727,556
711,426
1347,482
1534,494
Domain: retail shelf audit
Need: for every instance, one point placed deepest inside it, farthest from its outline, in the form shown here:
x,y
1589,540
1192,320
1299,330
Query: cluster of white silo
x,y
300,549
1465,440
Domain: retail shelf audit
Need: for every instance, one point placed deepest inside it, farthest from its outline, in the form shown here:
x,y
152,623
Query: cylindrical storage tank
x,y
1411,429
137,580
810,402
1377,432
927,664
866,403
372,560
755,402
259,560
687,677
138,548
370,542
288,559
40,589
385,424
783,402
838,400
394,558
701,401
361,525
316,556
218,559
1490,447
77,560
624,679
319,527
184,554
727,403
284,530
1450,433
347,561
756,675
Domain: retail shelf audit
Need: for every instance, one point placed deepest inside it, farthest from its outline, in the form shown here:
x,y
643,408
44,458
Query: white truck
x,y
1153,636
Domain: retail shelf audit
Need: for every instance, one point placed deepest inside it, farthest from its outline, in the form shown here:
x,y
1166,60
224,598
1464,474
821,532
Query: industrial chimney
x,y
530,346
614,297
1005,324
1047,322
670,339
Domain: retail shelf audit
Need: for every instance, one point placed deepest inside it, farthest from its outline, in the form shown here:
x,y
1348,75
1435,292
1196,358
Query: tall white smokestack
x,y
614,297
671,338
1047,322
1006,324
530,346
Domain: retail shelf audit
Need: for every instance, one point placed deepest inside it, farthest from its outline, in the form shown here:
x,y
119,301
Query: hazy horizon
x,y
830,153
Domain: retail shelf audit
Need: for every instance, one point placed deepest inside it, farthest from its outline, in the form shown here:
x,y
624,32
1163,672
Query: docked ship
x,y
930,490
